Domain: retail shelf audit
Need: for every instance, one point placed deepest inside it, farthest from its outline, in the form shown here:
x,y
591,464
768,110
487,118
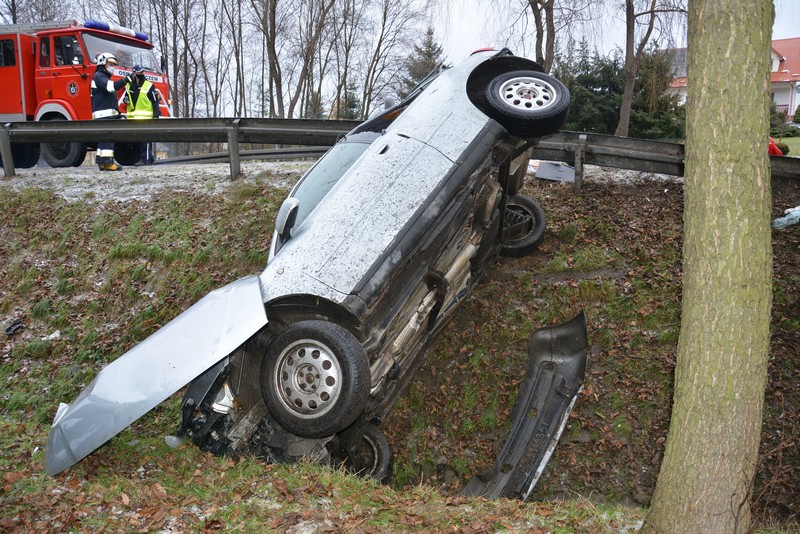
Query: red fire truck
x,y
46,74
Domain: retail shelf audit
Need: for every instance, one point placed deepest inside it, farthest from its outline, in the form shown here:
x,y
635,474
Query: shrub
x,y
783,147
791,131
785,131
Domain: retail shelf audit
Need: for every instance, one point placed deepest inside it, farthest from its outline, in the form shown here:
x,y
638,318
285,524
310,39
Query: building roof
x,y
787,51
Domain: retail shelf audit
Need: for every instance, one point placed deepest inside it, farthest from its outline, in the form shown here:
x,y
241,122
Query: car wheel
x,y
374,456
315,378
528,103
523,226
63,154
127,153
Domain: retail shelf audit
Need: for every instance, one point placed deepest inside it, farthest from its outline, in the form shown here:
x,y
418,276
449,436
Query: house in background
x,y
784,75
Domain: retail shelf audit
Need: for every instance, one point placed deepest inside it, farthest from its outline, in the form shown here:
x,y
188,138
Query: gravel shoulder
x,y
145,182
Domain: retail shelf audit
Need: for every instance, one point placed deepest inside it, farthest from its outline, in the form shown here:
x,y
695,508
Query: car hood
x,y
146,375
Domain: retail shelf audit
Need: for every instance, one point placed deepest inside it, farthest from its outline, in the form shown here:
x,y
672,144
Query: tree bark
x,y
544,22
711,451
632,58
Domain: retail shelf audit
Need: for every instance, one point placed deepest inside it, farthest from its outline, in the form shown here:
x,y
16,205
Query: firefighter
x,y
104,105
142,108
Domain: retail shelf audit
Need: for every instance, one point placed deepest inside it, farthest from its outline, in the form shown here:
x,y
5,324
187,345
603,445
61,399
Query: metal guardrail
x,y
574,148
218,130
265,154
266,131
580,149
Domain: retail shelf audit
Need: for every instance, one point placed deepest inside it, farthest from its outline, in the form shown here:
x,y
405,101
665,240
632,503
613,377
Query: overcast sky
x,y
474,24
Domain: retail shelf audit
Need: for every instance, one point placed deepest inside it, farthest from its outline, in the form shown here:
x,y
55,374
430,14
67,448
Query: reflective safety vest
x,y
143,108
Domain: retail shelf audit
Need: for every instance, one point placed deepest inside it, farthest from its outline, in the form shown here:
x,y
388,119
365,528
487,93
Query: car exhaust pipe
x,y
558,356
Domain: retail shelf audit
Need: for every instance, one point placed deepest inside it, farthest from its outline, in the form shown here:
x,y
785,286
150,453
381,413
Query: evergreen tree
x,y
313,106
655,114
596,85
426,57
350,107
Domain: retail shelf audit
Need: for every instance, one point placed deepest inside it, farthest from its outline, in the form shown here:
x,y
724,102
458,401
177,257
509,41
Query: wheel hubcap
x,y
527,94
308,378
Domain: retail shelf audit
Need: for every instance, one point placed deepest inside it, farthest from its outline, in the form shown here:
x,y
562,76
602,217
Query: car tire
x,y
528,103
524,223
315,378
127,153
63,154
25,155
374,456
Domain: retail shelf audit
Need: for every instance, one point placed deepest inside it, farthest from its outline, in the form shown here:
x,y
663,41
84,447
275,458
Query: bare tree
x,y
395,30
709,463
312,55
543,15
322,65
644,19
231,25
214,61
545,23
32,11
348,22
314,21
273,25
11,11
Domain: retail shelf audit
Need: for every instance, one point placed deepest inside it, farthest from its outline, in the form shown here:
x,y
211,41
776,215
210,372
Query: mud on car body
x,y
372,252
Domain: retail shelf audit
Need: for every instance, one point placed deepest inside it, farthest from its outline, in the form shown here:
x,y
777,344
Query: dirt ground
x,y
592,461
614,443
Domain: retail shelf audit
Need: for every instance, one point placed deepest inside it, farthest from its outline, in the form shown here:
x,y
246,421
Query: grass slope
x,y
91,279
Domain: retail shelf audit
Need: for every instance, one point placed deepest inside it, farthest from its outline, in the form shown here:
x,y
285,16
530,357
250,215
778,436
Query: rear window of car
x,y
319,180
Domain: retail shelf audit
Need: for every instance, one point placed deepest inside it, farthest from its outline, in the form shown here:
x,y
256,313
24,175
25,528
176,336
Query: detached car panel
x,y
373,250
146,375
556,369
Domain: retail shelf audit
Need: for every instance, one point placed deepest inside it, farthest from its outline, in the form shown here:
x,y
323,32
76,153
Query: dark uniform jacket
x,y
104,94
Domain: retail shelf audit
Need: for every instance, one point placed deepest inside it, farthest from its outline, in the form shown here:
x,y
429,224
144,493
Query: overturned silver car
x,y
373,250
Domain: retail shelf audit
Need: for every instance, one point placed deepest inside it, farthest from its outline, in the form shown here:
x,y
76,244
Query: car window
x,y
319,180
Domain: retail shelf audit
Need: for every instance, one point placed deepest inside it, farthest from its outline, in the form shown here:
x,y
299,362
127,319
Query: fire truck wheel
x,y
63,154
127,153
25,155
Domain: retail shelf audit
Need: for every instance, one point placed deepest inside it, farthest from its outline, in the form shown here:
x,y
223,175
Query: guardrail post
x,y
5,152
580,156
233,149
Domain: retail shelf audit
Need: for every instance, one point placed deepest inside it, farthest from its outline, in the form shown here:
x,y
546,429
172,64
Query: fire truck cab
x,y
46,73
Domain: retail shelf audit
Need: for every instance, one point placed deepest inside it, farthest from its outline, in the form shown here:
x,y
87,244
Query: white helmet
x,y
106,58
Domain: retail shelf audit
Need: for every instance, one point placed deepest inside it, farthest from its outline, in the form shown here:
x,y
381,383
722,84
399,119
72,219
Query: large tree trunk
x,y
706,477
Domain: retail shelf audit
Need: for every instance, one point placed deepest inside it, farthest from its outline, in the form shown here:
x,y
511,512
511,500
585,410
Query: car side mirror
x,y
287,217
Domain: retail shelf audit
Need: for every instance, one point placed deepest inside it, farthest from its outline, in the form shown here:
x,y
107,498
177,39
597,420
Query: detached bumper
x,y
143,377
558,356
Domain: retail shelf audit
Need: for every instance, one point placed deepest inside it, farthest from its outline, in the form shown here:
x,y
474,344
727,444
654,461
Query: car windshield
x,y
128,53
319,180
